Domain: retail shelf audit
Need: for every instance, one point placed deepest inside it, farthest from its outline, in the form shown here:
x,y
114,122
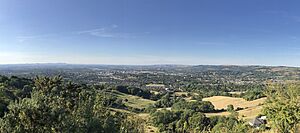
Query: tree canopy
x,y
58,106
282,107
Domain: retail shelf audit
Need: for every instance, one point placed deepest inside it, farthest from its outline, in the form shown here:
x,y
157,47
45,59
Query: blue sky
x,y
231,32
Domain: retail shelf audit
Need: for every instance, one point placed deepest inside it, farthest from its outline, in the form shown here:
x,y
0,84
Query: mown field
x,y
250,108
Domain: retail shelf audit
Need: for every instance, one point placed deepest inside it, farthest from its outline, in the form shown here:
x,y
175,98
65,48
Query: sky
x,y
136,32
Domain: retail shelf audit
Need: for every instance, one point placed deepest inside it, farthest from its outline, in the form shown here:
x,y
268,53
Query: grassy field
x,y
137,102
250,111
134,101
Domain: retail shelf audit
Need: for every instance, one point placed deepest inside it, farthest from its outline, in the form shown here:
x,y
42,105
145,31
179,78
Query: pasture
x,y
250,108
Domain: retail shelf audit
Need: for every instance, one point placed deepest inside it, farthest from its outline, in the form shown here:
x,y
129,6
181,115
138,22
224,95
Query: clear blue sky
x,y
236,32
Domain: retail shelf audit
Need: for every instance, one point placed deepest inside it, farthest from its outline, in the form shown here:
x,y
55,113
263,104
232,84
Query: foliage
x,y
180,121
134,91
253,94
189,121
198,122
230,108
222,124
57,106
166,101
11,89
132,125
109,100
197,106
197,97
164,117
231,126
282,107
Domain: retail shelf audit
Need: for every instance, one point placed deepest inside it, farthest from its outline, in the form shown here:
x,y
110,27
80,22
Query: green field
x,y
134,101
140,103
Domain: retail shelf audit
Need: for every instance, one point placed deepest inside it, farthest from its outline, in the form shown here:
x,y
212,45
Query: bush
x,y
230,108
282,107
253,94
56,106
197,106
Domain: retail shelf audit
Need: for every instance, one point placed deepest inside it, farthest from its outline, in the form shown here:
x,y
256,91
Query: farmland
x,y
152,98
250,109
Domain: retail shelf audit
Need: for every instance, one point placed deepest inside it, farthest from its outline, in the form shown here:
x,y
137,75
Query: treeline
x,y
248,91
190,121
197,106
134,91
253,94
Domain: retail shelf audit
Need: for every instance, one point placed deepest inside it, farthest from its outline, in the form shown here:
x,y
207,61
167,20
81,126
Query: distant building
x,y
169,90
258,121
156,87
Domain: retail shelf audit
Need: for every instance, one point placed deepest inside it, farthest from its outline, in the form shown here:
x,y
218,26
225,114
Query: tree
x,y
166,101
198,122
57,106
132,125
198,106
253,94
282,106
230,108
222,124
164,117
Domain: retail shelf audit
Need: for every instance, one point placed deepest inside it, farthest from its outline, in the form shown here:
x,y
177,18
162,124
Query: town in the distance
x,y
150,98
149,66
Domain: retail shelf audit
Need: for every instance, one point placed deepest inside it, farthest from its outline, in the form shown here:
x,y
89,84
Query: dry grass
x,y
221,102
180,93
250,111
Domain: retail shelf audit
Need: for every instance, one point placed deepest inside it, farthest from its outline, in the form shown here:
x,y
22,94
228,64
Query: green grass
x,y
134,101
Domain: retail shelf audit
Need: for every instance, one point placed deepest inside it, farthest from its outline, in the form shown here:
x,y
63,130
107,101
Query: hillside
x,y
48,102
250,109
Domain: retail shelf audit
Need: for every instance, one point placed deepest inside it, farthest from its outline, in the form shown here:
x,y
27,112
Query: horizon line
x,y
242,65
